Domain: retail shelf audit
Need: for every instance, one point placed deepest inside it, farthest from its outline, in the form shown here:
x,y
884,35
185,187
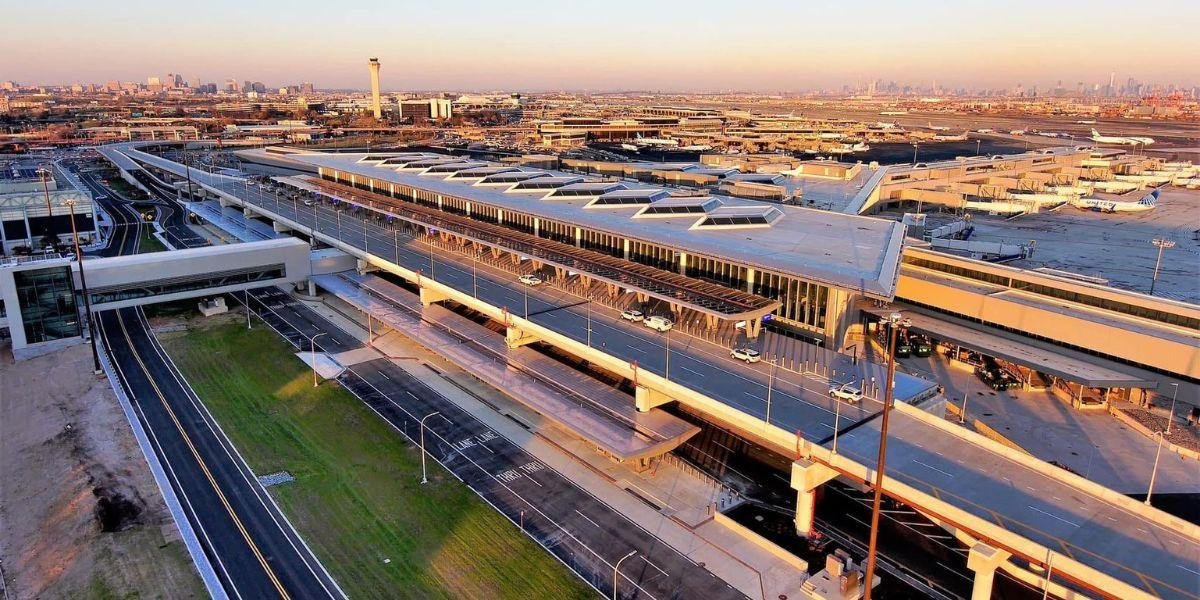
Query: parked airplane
x,y
1100,205
1124,141
933,127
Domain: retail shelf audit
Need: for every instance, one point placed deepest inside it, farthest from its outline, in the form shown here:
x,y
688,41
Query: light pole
x,y
667,366
914,164
837,416
770,386
1154,471
312,351
247,292
894,320
425,479
87,300
44,174
1163,244
618,566
1171,415
588,308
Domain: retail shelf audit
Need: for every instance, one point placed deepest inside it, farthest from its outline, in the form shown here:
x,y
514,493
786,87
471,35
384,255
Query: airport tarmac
x,y
1114,246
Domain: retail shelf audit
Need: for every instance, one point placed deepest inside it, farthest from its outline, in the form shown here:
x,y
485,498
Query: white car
x,y
658,323
632,315
749,355
530,279
847,392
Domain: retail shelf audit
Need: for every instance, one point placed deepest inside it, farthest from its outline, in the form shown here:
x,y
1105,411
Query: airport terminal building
x,y
816,264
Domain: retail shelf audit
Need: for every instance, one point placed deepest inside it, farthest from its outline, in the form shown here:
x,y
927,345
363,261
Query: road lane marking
x,y
1072,524
665,574
200,461
1188,570
929,466
589,520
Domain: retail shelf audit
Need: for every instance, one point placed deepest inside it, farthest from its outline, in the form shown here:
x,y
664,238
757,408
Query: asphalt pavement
x,y
254,550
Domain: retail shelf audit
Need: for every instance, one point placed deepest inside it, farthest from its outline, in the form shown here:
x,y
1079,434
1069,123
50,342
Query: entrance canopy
x,y
1030,353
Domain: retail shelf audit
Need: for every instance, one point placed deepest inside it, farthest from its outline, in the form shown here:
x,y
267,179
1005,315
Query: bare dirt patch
x,y
80,514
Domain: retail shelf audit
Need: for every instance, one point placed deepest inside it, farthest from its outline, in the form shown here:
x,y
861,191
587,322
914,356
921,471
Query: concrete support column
x,y
364,267
280,227
515,338
683,263
984,559
626,249
246,212
749,281
468,209
312,288
753,327
578,237
807,476
537,225
429,296
645,398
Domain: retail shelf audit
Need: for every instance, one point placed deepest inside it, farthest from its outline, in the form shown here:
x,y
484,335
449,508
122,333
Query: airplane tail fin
x,y
1095,133
1151,199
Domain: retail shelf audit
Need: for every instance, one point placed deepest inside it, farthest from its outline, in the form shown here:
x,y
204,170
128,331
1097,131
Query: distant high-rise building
x,y
195,83
376,107
153,81
306,88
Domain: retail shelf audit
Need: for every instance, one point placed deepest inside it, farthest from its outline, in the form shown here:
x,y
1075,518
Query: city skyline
x,y
538,47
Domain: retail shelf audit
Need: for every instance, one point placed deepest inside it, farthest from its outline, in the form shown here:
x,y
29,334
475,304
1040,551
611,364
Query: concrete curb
x,y
211,582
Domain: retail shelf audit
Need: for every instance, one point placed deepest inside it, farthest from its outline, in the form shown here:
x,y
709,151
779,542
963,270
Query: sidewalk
x,y
671,501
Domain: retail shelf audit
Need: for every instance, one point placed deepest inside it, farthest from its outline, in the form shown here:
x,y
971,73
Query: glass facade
x,y
47,304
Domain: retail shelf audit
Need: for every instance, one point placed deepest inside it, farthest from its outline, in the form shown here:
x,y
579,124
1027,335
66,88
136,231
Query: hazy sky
x,y
619,44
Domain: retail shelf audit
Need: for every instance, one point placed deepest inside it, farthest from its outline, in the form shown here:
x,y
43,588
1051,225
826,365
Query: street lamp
x,y
770,385
87,300
312,349
1154,471
1163,244
618,566
895,321
425,479
1171,415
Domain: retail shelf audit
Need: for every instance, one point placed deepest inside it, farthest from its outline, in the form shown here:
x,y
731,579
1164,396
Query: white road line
x,y
530,477
1072,524
414,396
1188,570
665,574
928,466
589,520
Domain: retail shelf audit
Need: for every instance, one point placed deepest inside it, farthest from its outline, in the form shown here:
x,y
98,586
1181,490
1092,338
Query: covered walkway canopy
x,y
1030,353
707,298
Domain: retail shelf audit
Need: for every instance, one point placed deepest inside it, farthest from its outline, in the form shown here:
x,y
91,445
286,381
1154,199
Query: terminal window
x,y
46,299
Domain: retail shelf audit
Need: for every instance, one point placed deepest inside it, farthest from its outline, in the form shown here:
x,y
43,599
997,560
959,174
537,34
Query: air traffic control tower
x,y
373,65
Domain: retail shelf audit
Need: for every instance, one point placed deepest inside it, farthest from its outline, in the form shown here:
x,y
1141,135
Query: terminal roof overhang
x,y
701,296
850,252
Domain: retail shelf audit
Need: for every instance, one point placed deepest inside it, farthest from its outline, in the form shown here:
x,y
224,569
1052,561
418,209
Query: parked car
x,y
632,315
847,392
530,279
658,323
750,355
922,346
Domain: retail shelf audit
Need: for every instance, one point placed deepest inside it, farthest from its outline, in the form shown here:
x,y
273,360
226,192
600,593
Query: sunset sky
x,y
653,45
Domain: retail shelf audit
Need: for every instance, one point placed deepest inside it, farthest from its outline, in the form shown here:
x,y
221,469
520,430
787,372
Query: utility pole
x,y
87,298
895,321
